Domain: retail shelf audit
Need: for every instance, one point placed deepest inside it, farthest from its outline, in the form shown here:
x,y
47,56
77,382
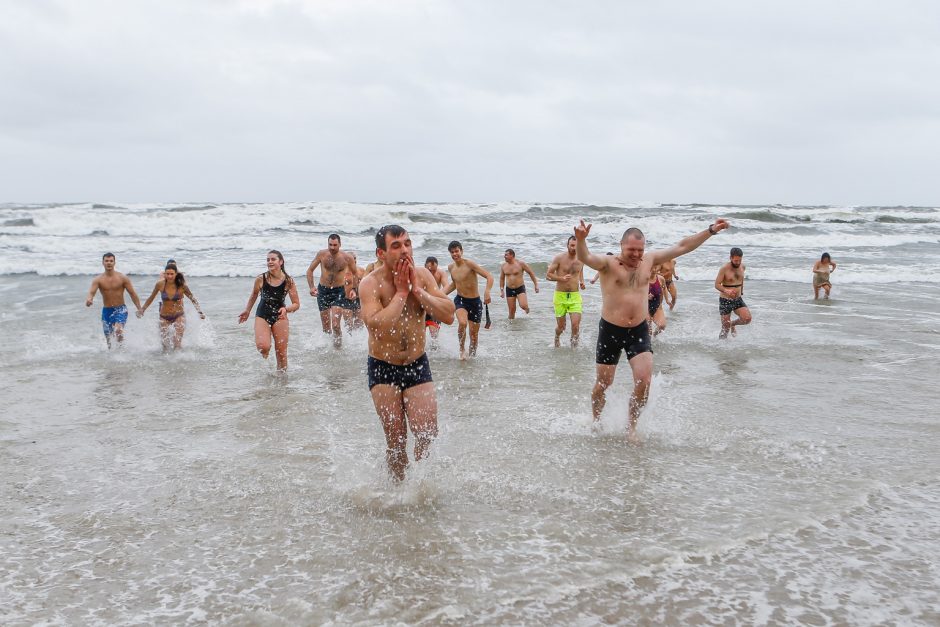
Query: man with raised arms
x,y
512,282
330,292
395,300
624,287
463,274
730,286
112,285
568,273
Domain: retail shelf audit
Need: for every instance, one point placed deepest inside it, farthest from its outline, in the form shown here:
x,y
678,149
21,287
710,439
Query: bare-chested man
x,y
670,276
568,273
463,274
512,282
331,290
112,285
730,284
625,290
440,277
350,303
396,298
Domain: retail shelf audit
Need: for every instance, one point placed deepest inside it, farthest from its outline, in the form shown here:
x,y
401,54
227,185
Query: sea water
x,y
787,475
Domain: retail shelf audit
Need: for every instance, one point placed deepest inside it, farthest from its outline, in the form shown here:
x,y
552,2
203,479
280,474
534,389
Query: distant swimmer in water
x,y
670,276
512,282
463,274
730,284
112,285
274,286
171,288
657,317
440,279
567,271
625,281
331,289
821,271
396,299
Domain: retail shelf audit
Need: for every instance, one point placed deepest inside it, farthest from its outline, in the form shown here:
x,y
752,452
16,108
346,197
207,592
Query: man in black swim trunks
x,y
395,301
730,284
624,287
463,274
512,282
331,290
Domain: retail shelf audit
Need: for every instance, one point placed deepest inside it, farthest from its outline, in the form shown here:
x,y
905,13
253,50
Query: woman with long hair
x,y
172,287
271,322
821,271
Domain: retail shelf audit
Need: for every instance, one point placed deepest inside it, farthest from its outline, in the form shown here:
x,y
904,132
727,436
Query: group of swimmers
x,y
396,301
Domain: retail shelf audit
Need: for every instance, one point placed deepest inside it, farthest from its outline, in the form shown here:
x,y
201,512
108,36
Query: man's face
x,y
431,266
108,263
736,261
333,246
456,254
508,256
572,246
395,249
631,250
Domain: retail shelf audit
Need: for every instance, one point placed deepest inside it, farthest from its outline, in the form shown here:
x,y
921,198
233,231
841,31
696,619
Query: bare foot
x,y
557,341
734,332
633,437
463,355
723,335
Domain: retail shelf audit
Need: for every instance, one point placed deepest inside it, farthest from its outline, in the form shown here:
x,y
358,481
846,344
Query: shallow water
x,y
787,475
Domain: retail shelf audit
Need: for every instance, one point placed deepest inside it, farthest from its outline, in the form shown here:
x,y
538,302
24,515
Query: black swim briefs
x,y
402,377
474,307
727,305
512,292
611,339
330,296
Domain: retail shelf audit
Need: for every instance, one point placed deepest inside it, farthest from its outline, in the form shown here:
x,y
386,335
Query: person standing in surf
x,y
512,282
730,286
112,285
670,276
274,286
623,327
331,290
568,273
396,299
821,271
172,287
463,275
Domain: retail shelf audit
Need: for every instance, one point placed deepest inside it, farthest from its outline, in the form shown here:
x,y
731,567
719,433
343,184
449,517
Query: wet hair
x,y
511,252
180,280
610,253
737,252
335,236
633,232
571,237
389,229
430,260
454,245
287,279
825,256
106,255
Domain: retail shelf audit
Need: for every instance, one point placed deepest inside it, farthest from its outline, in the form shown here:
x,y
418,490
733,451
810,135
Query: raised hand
x,y
403,276
720,225
581,231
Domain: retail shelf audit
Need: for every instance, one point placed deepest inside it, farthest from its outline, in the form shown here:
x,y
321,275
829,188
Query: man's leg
x,y
336,325
575,329
119,333
744,317
523,302
725,326
462,331
474,337
605,377
390,408
511,303
420,404
642,368
559,329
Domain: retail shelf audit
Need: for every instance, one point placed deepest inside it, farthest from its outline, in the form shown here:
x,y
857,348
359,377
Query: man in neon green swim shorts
x,y
568,274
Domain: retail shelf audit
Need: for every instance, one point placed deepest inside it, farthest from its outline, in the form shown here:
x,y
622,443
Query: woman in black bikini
x,y
271,316
172,287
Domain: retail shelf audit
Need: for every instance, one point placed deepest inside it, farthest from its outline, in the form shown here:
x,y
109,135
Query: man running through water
x,y
512,282
730,286
625,282
396,298
440,278
112,285
568,273
463,274
331,291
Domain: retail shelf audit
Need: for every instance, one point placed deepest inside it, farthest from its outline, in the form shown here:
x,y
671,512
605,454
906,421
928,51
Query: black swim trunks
x,y
474,307
512,292
611,339
330,296
352,305
727,305
402,377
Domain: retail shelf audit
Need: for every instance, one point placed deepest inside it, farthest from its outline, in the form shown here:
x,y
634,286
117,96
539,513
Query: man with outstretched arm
x,y
463,274
624,290
395,300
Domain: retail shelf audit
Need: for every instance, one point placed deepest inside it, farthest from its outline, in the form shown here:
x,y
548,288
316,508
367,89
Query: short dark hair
x,y
454,244
570,237
737,252
389,229
511,252
633,232
430,260
106,255
334,236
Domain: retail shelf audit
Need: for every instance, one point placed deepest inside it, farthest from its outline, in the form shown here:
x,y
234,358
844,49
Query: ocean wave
x,y
18,222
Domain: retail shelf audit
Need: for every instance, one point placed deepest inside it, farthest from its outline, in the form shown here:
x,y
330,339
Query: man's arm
x,y
313,266
598,262
483,272
434,301
535,281
502,282
552,269
91,292
453,283
688,244
130,290
581,277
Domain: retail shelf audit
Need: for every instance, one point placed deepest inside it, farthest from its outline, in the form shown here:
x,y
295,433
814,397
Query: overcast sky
x,y
476,100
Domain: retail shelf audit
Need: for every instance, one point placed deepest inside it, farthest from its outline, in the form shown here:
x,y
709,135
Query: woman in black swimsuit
x,y
271,316
172,287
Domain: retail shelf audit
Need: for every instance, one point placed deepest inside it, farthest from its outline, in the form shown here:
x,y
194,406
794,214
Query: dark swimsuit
x,y
611,339
727,305
512,292
656,291
176,297
330,297
402,377
272,299
473,307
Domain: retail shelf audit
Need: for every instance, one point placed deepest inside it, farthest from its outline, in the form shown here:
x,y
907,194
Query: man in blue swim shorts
x,y
112,285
